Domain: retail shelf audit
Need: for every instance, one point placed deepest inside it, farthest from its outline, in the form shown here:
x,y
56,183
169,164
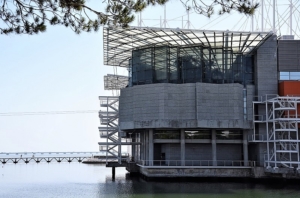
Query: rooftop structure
x,y
120,43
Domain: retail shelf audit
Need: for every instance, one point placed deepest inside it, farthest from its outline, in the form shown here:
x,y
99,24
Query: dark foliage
x,y
32,16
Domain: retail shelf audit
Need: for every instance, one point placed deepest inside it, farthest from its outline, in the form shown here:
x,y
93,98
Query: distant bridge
x,y
37,157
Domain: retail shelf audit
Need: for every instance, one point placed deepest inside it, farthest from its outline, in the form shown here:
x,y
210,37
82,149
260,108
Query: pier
x,y
38,157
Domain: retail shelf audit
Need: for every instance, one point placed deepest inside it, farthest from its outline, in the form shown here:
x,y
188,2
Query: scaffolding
x,y
110,130
277,125
109,117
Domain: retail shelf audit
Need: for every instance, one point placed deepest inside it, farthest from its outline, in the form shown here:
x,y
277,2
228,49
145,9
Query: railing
x,y
27,157
257,138
206,163
264,98
49,154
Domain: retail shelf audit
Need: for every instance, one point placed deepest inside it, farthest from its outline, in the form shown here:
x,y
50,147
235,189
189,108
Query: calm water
x,y
81,180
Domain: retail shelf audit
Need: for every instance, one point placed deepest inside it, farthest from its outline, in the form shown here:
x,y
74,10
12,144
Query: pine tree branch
x,y
32,16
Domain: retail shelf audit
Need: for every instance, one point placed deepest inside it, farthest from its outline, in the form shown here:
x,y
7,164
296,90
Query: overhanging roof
x,y
118,43
115,82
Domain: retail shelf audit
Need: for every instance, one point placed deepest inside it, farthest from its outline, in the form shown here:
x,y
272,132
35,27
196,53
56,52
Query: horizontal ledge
x,y
199,167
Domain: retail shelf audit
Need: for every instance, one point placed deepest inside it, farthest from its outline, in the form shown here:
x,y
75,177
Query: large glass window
x,y
161,60
191,64
142,66
174,65
167,64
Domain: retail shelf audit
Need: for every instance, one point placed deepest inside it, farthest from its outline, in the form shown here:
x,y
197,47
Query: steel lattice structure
x,y
119,43
280,122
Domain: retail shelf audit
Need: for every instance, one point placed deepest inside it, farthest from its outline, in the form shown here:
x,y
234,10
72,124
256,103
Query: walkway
x,y
37,157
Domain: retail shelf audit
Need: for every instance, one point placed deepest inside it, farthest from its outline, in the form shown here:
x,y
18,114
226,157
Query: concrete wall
x,y
219,105
198,152
196,172
172,151
194,105
266,80
288,55
230,152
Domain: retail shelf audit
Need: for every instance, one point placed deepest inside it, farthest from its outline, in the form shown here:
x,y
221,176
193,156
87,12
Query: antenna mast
x,y
291,17
262,15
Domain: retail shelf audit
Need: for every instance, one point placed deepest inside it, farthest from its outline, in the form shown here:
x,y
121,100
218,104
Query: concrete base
x,y
287,173
258,172
132,167
240,172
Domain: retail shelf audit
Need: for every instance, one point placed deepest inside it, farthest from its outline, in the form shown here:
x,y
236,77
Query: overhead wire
x,y
47,113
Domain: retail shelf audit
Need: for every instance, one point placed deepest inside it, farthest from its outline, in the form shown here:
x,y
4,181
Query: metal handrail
x,y
208,163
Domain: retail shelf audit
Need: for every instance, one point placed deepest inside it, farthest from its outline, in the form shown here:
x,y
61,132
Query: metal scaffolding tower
x,y
278,127
109,117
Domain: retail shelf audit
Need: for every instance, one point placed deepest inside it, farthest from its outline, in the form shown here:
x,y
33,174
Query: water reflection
x,y
81,180
135,186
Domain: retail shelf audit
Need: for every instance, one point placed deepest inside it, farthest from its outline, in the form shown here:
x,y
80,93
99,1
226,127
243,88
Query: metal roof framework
x,y
118,43
115,82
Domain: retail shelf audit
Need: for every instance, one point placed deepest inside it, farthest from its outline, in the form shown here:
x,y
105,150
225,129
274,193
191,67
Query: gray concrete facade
x,y
265,72
288,55
194,105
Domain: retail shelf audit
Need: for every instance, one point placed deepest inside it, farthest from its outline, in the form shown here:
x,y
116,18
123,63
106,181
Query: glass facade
x,y
191,64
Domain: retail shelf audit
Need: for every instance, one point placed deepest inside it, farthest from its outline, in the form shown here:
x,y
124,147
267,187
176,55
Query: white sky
x,y
61,71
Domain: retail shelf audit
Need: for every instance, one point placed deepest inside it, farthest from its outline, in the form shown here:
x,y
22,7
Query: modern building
x,y
200,103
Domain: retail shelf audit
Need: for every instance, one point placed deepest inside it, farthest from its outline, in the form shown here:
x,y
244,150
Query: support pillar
x,y
133,149
245,147
113,172
214,147
182,147
151,147
146,151
119,148
142,146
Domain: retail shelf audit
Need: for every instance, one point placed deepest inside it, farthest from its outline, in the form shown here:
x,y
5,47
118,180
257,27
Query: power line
x,y
48,113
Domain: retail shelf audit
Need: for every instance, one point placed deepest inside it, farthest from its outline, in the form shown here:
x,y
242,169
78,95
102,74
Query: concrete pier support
x,y
182,147
214,147
113,172
151,147
245,147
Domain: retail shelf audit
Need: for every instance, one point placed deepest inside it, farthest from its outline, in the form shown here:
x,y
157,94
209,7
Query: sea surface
x,y
82,180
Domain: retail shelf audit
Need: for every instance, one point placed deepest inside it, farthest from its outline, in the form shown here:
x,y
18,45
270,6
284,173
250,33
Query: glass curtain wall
x,y
167,64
